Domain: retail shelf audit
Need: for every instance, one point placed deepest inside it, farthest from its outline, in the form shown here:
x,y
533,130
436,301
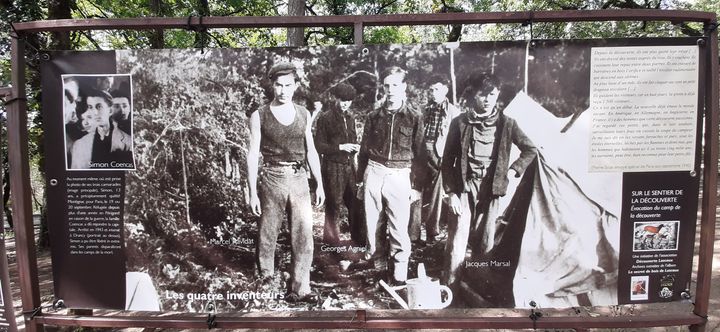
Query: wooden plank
x,y
709,197
20,183
212,22
463,322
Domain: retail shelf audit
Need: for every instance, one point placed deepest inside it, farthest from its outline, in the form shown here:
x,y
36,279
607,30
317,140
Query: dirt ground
x,y
337,278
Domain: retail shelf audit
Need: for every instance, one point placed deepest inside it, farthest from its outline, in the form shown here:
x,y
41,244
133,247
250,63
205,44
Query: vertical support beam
x,y
20,184
358,33
710,174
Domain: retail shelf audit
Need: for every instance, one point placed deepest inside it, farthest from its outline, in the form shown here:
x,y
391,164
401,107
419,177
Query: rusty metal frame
x,y
20,176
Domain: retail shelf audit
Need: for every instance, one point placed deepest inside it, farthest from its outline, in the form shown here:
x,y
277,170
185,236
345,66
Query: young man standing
x,y
475,166
281,133
391,163
437,116
336,140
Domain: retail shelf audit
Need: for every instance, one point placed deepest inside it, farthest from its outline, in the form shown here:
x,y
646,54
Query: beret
x,y
281,68
345,92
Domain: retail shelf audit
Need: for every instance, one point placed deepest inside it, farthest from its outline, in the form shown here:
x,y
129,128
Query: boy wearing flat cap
x,y
336,140
281,133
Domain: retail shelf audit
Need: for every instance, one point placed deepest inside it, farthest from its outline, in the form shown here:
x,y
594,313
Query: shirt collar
x,y
443,106
402,110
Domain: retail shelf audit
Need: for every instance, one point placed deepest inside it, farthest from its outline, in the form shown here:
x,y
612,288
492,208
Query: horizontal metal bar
x,y
373,323
213,22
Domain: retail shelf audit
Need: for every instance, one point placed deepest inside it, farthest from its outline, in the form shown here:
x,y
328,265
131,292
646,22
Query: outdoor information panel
x,y
150,207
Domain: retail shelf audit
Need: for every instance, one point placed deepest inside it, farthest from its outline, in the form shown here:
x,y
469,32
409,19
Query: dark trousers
x,y
430,210
284,190
339,184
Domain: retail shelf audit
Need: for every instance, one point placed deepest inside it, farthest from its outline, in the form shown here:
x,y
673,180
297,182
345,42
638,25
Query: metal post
x,y
358,33
20,184
709,197
9,309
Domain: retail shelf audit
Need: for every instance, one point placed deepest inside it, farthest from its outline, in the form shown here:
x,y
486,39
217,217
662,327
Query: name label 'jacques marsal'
x,y
490,263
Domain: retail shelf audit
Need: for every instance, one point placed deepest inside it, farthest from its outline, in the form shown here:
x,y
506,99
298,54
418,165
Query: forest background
x,y
31,10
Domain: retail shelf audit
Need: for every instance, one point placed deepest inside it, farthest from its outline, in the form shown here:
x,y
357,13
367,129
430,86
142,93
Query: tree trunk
x,y
157,39
203,10
185,180
60,9
296,36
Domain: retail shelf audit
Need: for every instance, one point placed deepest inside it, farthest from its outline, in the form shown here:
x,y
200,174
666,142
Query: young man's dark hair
x,y
99,94
478,82
438,78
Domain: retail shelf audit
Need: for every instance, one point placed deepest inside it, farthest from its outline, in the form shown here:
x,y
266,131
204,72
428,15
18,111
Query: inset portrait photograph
x,y
638,288
98,122
656,235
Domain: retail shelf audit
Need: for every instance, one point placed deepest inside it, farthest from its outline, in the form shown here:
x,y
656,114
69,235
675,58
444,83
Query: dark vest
x,y
280,143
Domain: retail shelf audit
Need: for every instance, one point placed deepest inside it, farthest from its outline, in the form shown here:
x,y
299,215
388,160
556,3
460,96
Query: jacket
x,y
334,128
394,140
454,166
82,148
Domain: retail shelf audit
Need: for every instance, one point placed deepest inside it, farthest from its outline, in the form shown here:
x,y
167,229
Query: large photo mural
x,y
429,176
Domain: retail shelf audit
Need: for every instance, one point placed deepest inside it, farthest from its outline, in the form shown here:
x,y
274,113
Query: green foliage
x,y
390,35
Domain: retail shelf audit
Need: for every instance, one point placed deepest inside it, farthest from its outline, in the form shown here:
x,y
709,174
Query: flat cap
x,y
281,68
345,92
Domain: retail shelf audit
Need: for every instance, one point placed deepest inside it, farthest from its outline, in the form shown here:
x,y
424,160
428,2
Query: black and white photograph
x,y
328,178
97,119
656,235
425,176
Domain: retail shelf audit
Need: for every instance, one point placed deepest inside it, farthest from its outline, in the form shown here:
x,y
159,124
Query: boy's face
x,y
100,108
395,87
121,108
284,88
484,103
345,105
88,121
104,83
438,91
317,106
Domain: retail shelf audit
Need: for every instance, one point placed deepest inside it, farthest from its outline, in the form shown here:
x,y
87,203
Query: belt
x,y
385,166
394,164
295,164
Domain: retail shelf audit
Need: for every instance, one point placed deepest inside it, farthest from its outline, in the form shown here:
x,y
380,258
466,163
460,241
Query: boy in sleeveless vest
x,y
280,132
